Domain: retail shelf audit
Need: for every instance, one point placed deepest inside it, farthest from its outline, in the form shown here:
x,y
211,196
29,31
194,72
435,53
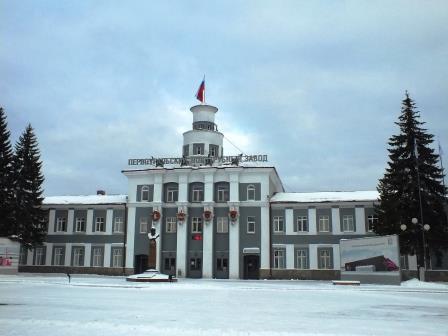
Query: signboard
x,y
9,256
199,160
371,260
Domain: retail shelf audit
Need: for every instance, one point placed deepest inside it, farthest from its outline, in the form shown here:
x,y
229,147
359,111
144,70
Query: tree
x,y
6,179
412,188
29,215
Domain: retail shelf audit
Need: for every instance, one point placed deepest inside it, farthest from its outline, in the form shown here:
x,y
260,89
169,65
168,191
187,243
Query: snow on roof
x,y
85,199
328,196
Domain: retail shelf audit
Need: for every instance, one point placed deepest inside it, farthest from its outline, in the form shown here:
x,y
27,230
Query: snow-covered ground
x,y
93,305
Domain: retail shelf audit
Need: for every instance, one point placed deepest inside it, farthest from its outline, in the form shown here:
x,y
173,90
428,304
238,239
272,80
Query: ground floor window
x,y
97,259
279,258
78,256
195,264
302,259
170,264
117,257
40,256
23,256
222,264
58,256
325,259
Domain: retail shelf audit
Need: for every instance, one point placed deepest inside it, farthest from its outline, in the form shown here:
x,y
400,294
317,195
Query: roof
x,y
85,199
327,196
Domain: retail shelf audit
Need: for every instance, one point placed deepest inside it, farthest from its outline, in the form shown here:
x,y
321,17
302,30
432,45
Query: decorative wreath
x,y
180,216
207,215
233,214
155,215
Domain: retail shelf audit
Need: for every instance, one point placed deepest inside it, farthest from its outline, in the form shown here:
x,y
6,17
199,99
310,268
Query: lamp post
x,y
423,228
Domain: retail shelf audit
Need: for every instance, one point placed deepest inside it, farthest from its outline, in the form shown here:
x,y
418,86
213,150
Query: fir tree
x,y
412,164
29,215
6,179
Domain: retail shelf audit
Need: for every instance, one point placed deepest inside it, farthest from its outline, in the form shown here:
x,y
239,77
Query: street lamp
x,y
423,228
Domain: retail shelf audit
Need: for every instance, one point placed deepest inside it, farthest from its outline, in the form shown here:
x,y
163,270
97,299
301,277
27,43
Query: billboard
x,y
372,259
9,256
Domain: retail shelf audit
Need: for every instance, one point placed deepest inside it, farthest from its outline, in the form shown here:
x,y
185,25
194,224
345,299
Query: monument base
x,y
151,275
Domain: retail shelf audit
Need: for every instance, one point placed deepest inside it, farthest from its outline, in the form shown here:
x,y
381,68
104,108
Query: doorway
x,y
141,263
252,267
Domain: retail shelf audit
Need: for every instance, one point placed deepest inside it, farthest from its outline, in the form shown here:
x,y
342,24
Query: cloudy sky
x,y
315,85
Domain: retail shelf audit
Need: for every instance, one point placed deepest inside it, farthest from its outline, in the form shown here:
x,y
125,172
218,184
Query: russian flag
x,y
200,95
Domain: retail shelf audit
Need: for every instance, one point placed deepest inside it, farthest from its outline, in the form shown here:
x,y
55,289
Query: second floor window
x,y
80,224
196,225
251,192
171,194
250,224
145,193
118,224
324,223
100,224
222,225
348,224
197,194
143,225
302,224
61,224
278,224
171,224
372,220
223,194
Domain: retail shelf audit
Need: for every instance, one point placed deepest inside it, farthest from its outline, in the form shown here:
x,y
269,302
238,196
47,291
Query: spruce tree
x,y
6,179
413,165
29,215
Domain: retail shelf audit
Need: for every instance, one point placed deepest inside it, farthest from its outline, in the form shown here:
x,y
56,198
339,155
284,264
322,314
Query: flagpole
x,y
441,166
204,90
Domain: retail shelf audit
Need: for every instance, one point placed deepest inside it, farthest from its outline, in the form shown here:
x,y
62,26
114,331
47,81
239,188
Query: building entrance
x,y
251,267
141,263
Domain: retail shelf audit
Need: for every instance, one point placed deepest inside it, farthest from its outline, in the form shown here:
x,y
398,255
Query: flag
x,y
200,95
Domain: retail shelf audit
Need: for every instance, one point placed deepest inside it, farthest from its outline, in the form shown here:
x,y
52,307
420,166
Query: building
x,y
215,217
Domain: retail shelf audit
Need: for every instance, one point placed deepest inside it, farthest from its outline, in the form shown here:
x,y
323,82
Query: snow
x,y
85,199
328,196
48,305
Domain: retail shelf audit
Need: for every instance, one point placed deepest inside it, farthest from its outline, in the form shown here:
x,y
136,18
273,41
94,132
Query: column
x,y
289,221
158,186
234,229
87,254
48,253
109,219
181,250
68,254
51,219
70,220
207,249
313,256
89,223
265,248
107,252
312,220
290,256
29,258
336,257
335,221
158,226
130,237
360,220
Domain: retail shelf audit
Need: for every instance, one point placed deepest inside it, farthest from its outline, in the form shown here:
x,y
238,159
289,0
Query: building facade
x,y
213,219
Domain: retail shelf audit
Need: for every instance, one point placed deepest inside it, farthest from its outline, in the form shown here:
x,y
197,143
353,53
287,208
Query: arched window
x,y
145,193
251,192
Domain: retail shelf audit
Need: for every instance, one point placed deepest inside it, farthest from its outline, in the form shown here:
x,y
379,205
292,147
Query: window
x,y
78,256
251,224
144,225
170,264
213,151
117,257
222,264
195,264
222,225
372,221
325,259
186,150
198,149
197,193
171,194
171,224
23,256
302,224
324,223
279,258
302,259
118,224
251,192
404,262
61,224
99,224
97,259
58,256
145,193
347,223
40,256
223,194
80,224
278,224
196,225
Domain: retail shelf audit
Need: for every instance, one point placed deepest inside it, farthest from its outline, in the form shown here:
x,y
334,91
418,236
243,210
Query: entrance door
x,y
141,263
251,267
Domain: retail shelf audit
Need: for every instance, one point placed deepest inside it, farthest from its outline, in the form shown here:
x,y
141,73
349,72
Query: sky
x,y
315,85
